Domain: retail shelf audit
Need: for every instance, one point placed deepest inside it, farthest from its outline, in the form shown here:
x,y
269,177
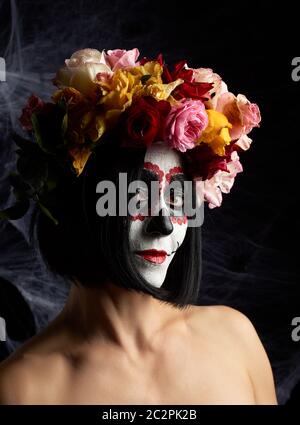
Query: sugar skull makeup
x,y
154,239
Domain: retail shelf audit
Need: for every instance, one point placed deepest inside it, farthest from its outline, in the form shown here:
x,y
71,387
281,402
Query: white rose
x,y
81,69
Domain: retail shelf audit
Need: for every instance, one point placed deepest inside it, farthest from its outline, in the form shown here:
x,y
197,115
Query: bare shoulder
x,y
226,321
227,318
30,374
235,332
28,378
17,380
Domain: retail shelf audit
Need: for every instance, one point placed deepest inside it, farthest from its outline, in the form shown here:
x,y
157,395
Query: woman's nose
x,y
160,223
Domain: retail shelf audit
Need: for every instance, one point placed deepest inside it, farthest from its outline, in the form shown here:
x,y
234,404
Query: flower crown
x,y
190,109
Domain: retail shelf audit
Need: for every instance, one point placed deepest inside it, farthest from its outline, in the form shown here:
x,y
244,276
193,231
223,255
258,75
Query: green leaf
x,y
62,105
24,144
47,213
33,170
64,126
51,184
16,211
36,129
21,189
38,135
53,177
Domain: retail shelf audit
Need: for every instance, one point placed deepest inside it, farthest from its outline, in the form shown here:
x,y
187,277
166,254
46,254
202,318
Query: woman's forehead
x,y
163,156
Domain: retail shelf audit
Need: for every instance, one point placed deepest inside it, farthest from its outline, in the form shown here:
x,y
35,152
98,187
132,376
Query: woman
x,y
131,331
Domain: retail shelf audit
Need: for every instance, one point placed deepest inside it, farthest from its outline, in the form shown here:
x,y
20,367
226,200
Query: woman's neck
x,y
127,318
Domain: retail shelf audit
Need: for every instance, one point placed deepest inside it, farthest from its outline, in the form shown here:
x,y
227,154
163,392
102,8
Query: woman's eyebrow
x,y
181,177
148,175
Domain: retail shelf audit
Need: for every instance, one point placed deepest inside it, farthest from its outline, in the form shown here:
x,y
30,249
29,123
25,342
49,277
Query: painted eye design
x,y
175,199
141,194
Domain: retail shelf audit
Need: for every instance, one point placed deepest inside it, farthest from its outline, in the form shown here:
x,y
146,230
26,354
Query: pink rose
x,y
242,114
222,181
250,113
244,142
119,58
185,124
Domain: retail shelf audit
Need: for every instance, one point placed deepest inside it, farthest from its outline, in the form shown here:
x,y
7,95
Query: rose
x,y
206,75
244,142
185,124
189,88
203,162
215,174
47,125
143,122
241,113
226,178
119,58
83,120
34,105
250,113
216,133
81,57
79,155
221,181
82,70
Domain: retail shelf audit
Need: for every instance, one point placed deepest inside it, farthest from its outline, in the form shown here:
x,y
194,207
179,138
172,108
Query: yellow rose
x,y
216,133
70,95
84,119
79,155
152,69
161,91
118,92
126,85
153,86
93,125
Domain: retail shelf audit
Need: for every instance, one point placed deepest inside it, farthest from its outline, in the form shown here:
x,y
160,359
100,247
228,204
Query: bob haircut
x,y
92,250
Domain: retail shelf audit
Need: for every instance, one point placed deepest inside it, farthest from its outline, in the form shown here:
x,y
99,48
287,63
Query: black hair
x,y
93,250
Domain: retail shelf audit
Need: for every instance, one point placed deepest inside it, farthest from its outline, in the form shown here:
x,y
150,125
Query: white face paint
x,y
154,240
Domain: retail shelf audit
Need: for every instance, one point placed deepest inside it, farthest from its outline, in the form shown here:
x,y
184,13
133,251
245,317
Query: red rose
x,y
189,88
143,121
34,105
203,162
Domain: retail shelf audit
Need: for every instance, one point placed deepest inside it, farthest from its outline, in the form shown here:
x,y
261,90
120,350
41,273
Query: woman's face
x,y
155,237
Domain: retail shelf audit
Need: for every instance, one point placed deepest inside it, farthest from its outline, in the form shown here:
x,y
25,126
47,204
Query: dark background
x,y
251,254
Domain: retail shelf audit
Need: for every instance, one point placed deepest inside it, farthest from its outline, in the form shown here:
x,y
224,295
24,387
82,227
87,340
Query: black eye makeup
x,y
173,193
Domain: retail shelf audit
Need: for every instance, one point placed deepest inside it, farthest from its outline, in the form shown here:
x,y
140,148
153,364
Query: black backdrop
x,y
251,242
